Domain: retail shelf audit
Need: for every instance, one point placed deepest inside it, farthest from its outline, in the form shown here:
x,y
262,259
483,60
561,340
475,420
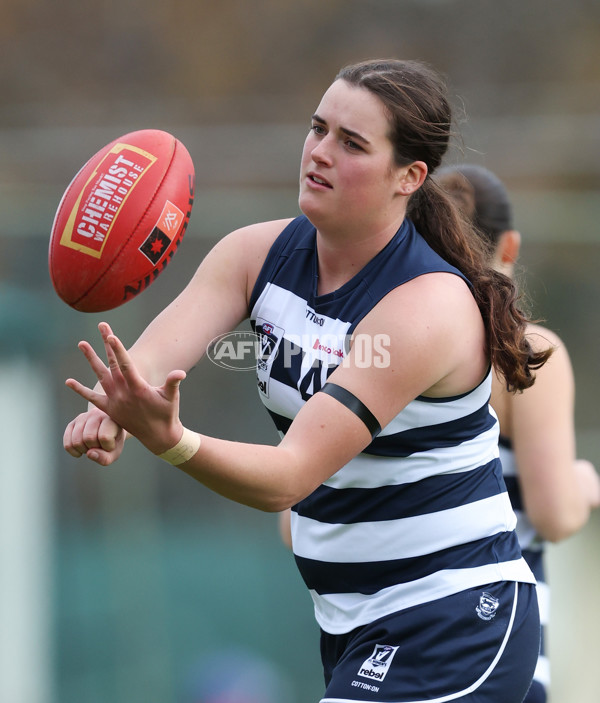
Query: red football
x,y
121,220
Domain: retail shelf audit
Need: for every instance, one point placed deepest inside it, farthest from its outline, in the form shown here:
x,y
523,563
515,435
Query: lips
x,y
318,180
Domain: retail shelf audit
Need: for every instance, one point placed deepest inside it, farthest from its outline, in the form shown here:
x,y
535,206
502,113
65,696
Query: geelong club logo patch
x,y
488,605
377,665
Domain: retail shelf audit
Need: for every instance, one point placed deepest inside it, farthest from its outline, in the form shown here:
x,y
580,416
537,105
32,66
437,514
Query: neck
x,y
341,258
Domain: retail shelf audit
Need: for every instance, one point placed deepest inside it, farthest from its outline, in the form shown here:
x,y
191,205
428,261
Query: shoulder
x,y
553,381
558,367
235,261
254,243
542,338
552,394
245,249
258,236
434,320
558,370
433,296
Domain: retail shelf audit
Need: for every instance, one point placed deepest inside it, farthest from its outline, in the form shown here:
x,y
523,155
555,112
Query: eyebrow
x,y
345,130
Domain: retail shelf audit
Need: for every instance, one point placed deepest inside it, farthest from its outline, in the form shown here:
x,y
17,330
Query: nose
x,y
321,152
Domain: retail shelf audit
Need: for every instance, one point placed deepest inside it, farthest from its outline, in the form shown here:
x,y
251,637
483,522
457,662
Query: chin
x,y
315,215
305,205
311,204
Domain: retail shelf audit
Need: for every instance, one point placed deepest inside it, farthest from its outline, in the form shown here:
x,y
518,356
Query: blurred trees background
x,y
149,573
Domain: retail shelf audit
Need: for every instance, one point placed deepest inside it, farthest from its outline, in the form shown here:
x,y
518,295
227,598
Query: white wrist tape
x,y
184,450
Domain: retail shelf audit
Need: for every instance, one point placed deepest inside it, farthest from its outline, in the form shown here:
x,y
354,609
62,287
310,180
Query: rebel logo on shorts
x,y
377,665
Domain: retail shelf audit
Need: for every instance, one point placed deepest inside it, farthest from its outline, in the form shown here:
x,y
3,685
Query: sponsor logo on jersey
x,y
488,605
328,349
378,664
313,317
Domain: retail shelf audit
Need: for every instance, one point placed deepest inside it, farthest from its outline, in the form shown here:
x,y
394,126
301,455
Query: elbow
x,y
280,498
558,527
288,490
559,514
278,503
556,534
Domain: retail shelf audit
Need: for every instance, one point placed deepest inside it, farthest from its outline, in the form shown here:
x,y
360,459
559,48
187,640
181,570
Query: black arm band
x,y
355,405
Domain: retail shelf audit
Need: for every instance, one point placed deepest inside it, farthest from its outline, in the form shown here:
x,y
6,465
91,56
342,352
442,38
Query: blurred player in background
x,y
379,318
551,491
235,675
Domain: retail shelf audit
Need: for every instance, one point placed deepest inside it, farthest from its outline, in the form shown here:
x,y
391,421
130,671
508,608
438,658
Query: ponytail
x,y
452,236
415,97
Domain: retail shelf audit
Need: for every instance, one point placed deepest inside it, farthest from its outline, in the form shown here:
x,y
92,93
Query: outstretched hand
x,y
150,413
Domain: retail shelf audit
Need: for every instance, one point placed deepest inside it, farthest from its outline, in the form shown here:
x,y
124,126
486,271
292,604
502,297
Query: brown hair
x,y
415,97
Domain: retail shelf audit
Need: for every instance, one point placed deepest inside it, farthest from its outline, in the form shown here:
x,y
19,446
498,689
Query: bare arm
x,y
558,490
429,351
214,301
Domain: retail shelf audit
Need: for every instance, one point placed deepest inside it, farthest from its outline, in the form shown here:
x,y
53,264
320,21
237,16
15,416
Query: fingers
x,y
106,332
104,329
172,383
123,398
120,369
119,356
97,365
114,360
72,447
94,434
100,457
108,434
81,433
98,399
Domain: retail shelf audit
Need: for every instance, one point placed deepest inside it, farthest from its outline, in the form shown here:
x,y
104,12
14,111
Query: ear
x,y
411,177
509,245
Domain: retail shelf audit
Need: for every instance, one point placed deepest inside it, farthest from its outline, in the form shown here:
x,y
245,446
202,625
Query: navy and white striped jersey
x,y
532,548
423,512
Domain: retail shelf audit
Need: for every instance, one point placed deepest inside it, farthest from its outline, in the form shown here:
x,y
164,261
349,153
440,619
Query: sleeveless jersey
x,y
532,548
423,512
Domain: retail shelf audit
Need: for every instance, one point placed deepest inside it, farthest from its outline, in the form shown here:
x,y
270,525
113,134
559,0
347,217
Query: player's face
x,y
347,176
